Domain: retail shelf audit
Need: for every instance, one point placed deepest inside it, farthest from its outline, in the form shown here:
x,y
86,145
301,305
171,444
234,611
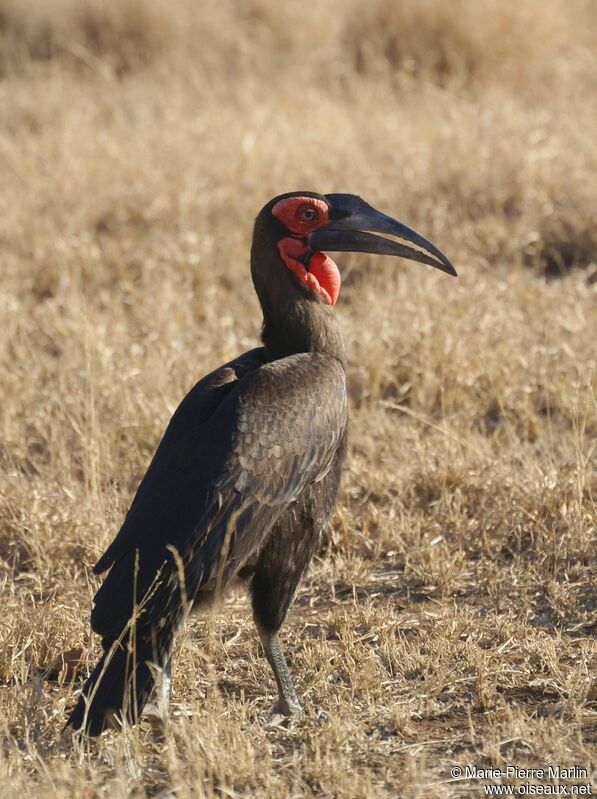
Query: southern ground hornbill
x,y
246,476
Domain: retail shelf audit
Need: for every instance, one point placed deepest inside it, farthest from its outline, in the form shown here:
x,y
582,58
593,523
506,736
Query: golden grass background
x,y
451,619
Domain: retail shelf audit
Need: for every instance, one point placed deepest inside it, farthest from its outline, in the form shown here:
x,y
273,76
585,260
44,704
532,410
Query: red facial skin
x,y
320,274
288,211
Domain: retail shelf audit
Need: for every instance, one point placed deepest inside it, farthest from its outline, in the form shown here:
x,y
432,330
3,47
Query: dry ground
x,y
451,619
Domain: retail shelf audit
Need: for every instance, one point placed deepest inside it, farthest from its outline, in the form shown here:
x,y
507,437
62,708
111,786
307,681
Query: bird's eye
x,y
307,213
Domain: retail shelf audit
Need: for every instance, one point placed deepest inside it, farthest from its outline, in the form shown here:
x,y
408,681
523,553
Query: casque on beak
x,y
352,228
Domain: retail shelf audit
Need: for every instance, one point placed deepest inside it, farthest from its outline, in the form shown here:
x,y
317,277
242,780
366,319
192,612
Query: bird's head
x,y
300,227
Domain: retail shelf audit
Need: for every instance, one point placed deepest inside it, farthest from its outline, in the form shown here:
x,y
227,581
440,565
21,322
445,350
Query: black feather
x,y
242,446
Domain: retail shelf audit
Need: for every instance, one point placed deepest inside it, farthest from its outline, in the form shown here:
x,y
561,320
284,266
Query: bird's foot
x,y
288,707
158,721
182,710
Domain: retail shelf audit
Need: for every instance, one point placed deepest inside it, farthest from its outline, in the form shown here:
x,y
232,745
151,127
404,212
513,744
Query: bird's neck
x,y
302,325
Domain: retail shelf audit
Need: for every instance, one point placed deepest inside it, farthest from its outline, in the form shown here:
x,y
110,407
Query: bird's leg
x,y
282,561
157,709
288,703
163,699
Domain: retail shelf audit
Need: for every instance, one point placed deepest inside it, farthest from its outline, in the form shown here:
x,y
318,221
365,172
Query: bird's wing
x,y
236,453
173,461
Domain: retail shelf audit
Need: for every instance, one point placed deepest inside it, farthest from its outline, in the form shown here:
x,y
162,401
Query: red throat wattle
x,y
315,269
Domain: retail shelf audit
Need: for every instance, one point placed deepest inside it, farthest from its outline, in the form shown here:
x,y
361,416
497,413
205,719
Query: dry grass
x,y
451,619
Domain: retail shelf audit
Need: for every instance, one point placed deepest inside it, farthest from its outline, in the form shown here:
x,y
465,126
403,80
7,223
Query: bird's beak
x,y
352,228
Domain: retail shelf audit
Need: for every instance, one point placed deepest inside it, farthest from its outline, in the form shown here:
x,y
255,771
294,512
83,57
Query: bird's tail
x,y
121,683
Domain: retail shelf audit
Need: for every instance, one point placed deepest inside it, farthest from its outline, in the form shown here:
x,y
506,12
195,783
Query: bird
x,y
245,478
